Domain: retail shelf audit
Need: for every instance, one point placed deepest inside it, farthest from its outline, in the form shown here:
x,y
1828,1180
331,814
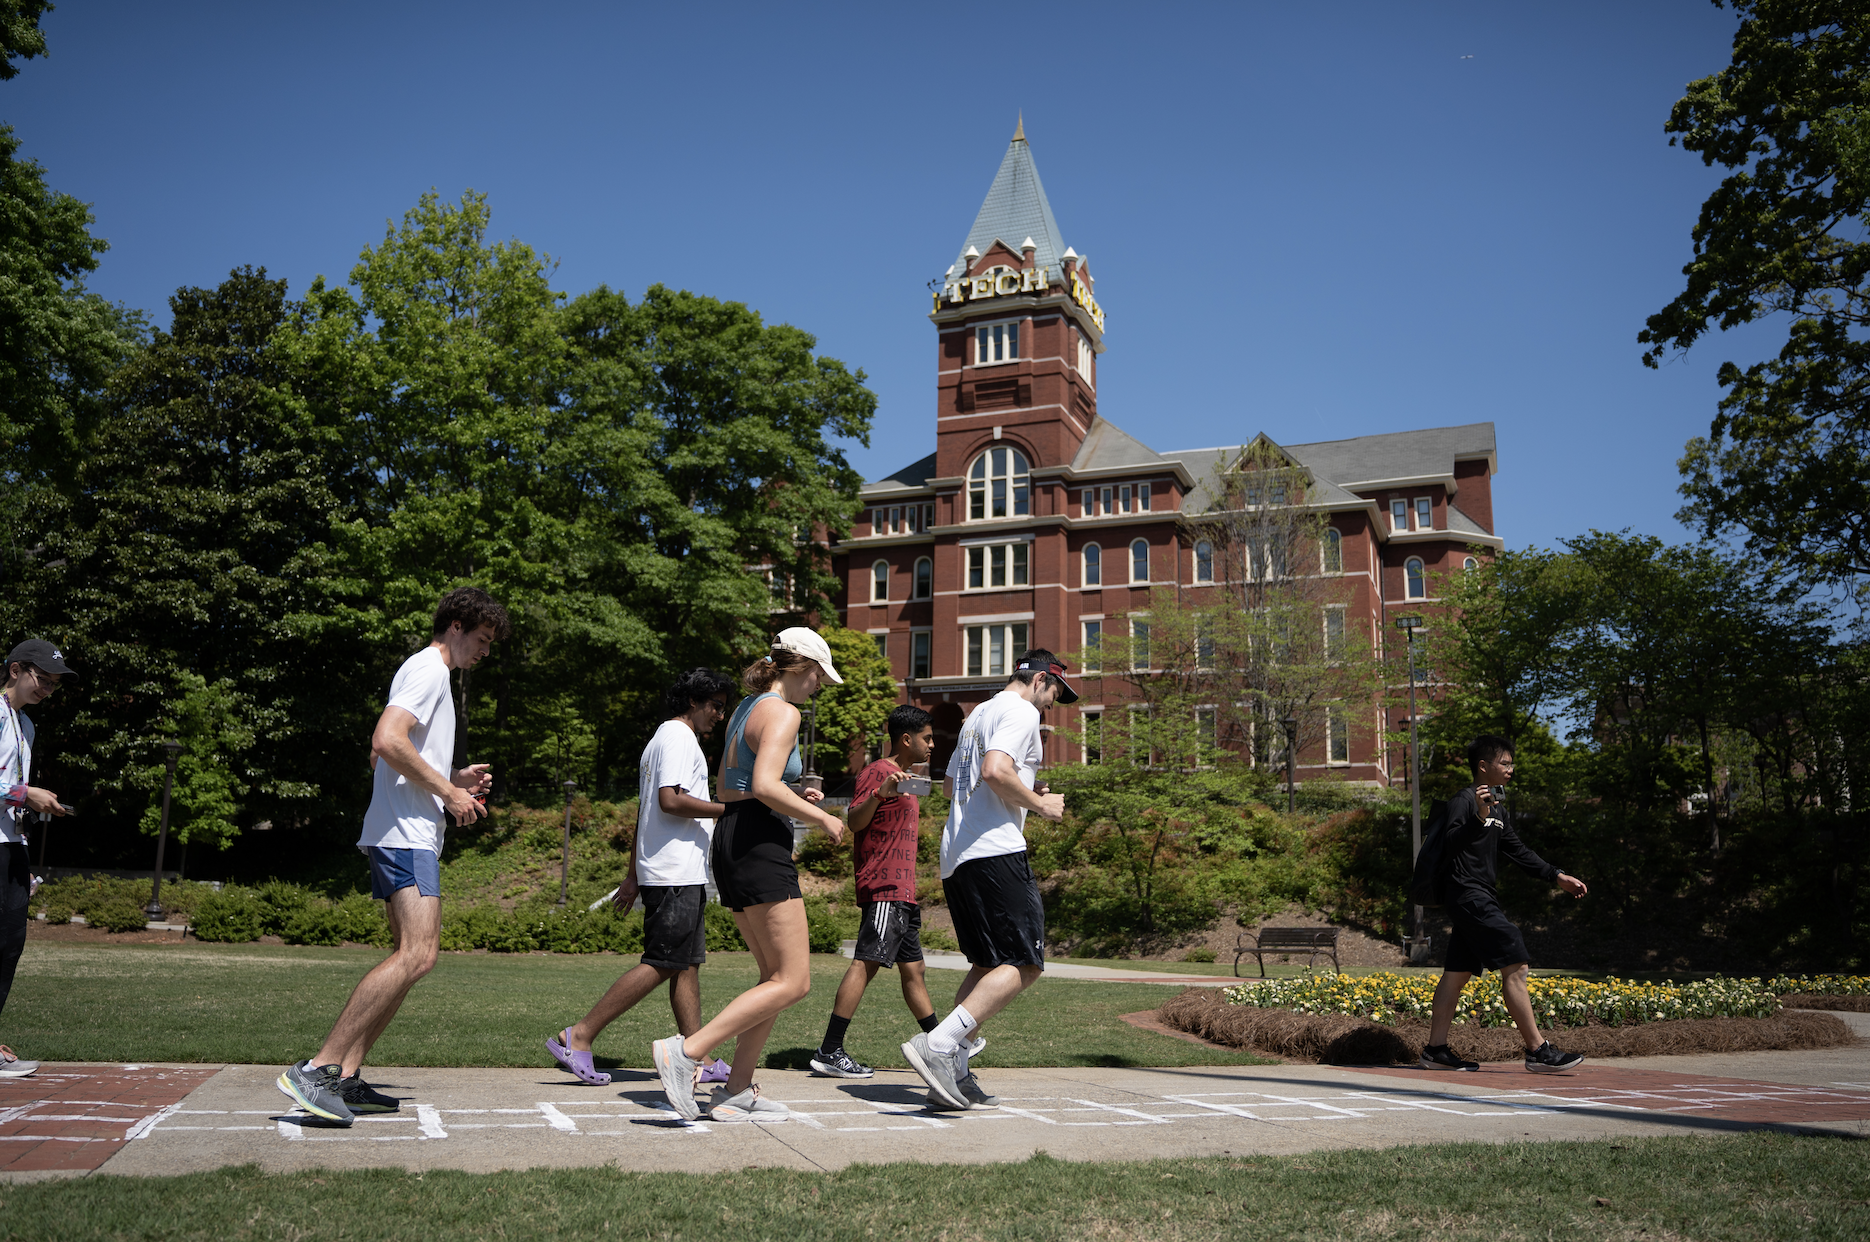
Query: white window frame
x,y
986,480
1204,645
1139,623
1087,631
1336,616
988,337
1330,548
1421,576
1211,742
1086,571
1204,560
879,582
1399,515
1421,503
1087,360
921,585
1145,578
977,652
924,639
1091,725
1470,563
1012,552
883,644
1337,734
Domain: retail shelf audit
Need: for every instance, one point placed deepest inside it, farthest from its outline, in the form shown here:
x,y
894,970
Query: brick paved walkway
x,y
75,1117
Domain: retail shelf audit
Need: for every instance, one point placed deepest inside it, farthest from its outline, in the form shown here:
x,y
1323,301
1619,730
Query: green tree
x,y
20,36
1787,457
850,716
210,721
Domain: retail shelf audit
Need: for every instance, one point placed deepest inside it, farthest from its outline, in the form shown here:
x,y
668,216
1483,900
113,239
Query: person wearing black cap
x,y
985,876
33,670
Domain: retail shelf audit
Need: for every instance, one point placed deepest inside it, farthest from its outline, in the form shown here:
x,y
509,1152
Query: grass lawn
x,y
272,1004
1751,1186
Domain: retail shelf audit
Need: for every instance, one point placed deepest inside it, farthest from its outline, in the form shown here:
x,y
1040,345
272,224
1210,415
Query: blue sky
x,y
1310,221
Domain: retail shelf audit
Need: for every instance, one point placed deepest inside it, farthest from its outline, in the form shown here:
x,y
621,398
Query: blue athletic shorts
x,y
391,870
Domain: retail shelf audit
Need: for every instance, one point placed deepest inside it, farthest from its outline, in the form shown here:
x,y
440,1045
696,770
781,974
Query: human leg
x,y
685,1000
636,983
1447,996
15,900
415,930
1519,1004
776,933
916,989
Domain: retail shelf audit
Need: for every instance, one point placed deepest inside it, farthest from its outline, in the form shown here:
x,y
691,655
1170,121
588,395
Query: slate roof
x,y
1107,447
1015,209
916,474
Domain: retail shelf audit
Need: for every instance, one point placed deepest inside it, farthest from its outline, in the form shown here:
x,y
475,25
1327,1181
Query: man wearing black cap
x,y
33,670
994,899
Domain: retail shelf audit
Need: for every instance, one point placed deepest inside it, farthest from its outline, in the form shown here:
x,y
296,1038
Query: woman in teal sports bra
x,y
751,853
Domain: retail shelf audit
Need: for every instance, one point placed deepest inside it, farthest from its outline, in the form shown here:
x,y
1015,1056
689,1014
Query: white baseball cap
x,y
801,641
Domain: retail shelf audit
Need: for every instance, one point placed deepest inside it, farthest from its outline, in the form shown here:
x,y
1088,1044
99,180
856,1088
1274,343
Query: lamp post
x,y
1291,724
1417,943
564,854
809,778
154,908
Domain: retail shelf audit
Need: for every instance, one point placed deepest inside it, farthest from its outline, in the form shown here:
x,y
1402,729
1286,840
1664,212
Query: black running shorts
x,y
675,925
752,856
891,932
998,917
1483,939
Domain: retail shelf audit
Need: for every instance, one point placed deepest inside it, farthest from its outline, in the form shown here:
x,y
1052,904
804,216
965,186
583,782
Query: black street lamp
x,y
1417,943
154,908
564,856
1291,724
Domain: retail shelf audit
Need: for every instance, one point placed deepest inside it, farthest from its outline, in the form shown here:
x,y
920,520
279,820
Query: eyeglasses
x,y
719,706
49,681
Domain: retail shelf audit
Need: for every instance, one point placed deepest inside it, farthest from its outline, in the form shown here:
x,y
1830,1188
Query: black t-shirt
x,y
1472,847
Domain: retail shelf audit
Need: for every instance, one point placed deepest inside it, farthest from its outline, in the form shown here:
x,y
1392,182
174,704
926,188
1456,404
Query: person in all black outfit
x,y
1483,939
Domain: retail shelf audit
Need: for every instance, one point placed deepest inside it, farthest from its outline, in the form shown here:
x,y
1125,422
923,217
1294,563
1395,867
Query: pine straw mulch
x,y
1333,1040
1820,1000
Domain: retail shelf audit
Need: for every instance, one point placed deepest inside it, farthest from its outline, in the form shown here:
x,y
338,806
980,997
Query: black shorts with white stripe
x,y
891,932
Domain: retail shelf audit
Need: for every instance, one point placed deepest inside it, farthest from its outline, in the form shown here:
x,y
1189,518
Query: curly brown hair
x,y
473,608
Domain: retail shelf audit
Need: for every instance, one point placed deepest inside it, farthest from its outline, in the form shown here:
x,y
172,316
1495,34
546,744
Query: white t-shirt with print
x,y
403,816
672,850
16,735
980,825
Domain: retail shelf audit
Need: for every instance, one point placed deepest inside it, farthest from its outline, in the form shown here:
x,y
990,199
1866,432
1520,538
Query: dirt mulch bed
x,y
1332,1040
1818,1000
78,933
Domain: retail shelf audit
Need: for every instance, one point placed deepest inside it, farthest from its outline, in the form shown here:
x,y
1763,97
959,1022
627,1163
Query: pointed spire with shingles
x,y
1015,207
1019,131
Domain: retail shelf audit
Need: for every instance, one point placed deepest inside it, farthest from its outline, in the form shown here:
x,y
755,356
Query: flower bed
x,y
1387,999
1820,985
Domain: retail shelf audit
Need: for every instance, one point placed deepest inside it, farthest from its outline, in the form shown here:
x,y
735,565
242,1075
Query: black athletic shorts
x,y
1483,939
752,856
891,932
998,917
675,926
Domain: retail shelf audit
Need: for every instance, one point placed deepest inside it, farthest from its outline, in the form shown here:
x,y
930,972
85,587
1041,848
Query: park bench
x,y
1315,941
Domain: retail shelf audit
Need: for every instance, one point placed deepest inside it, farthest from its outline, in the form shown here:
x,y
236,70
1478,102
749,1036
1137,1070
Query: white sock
x,y
952,1032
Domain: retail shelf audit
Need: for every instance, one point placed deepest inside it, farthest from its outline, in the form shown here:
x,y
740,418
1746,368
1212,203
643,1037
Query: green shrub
x,y
231,915
280,903
939,940
828,926
354,919
120,914
820,855
722,932
469,927
58,911
1198,955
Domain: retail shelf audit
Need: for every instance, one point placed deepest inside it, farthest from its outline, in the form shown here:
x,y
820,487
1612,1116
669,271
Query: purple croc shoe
x,y
578,1064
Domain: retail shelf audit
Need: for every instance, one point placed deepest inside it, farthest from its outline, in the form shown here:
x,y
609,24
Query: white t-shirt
x,y
979,824
672,850
404,816
16,734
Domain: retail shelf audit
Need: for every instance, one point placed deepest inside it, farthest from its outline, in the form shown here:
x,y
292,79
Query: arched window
x,y
1139,561
1204,561
1333,551
925,576
880,582
997,485
1469,563
1093,565
1415,583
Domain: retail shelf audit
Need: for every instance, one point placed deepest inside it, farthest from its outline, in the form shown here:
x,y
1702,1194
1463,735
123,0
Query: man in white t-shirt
x,y
985,876
415,781
669,868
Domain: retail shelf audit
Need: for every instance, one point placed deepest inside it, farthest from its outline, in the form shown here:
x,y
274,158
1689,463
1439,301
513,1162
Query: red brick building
x,y
1037,518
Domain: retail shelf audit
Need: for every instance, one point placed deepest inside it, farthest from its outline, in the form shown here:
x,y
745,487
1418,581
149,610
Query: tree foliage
x,y
849,717
1787,457
20,36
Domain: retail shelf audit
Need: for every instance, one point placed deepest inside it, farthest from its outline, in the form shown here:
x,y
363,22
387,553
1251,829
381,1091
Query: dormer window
x,y
996,342
1424,513
1399,515
997,486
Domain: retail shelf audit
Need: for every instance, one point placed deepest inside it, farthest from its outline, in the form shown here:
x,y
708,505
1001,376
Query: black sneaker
x,y
1546,1059
1441,1057
838,1063
360,1097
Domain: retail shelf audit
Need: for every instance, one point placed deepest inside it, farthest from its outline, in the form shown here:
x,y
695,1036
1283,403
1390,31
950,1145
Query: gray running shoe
x,y
749,1105
17,1068
839,1064
360,1097
978,1046
315,1089
940,1072
971,1089
677,1070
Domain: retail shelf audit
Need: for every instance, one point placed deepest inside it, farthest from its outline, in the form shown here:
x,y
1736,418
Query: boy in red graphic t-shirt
x,y
883,830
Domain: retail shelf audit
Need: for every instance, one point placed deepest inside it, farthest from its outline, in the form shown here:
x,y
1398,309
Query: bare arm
x,y
390,742
862,813
1002,776
771,728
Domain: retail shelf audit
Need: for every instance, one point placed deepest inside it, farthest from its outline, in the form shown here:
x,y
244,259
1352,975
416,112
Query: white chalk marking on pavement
x,y
146,1124
1147,1119
52,1138
1026,1113
80,1117
430,1121
289,1128
558,1120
